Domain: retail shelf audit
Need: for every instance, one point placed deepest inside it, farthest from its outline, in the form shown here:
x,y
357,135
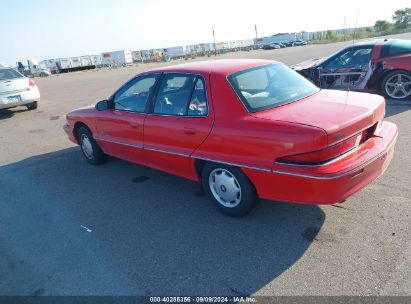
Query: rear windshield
x,y
270,86
9,74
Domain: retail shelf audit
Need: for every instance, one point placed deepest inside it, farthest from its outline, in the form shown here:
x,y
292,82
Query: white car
x,y
17,90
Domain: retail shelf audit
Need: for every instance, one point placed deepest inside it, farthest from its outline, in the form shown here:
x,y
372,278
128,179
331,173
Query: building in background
x,y
281,37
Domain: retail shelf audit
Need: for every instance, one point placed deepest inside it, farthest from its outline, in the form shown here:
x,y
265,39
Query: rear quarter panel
x,y
382,66
398,62
401,62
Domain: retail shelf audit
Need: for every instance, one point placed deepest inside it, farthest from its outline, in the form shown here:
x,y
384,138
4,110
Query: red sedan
x,y
245,129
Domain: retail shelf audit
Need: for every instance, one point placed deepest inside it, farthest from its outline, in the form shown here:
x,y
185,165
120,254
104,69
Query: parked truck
x,y
33,69
50,64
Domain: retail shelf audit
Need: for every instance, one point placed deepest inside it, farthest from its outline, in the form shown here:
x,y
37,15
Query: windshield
x,y
270,86
6,74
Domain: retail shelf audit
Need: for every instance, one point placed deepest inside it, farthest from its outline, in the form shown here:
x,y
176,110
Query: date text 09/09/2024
x,y
200,299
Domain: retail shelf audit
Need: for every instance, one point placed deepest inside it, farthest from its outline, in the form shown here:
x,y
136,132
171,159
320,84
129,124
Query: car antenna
x,y
353,41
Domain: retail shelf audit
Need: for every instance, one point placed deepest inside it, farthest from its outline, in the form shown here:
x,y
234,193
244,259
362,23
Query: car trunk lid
x,y
340,114
12,86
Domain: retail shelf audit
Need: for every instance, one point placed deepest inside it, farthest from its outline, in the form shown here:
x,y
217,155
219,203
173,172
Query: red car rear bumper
x,y
330,183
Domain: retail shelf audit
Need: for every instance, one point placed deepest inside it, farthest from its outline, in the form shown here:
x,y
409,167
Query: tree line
x,y
401,23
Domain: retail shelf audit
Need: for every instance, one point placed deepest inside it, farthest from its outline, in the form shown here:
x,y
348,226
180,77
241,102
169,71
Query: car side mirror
x,y
102,105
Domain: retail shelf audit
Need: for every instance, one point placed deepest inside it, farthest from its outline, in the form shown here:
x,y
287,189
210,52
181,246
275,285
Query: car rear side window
x,y
198,102
134,95
270,86
6,74
394,48
174,94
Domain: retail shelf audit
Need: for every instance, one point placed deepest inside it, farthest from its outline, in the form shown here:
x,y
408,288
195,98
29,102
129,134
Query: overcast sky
x,y
44,29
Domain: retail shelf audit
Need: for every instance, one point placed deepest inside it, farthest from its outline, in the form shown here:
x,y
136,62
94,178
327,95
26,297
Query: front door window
x,y
134,95
350,57
350,69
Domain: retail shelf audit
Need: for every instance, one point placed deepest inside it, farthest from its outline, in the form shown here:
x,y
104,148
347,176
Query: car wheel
x,y
43,75
32,106
397,85
91,150
229,188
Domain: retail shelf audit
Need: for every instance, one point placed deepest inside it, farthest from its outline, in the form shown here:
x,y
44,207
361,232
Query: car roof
x,y
219,66
374,42
368,43
363,43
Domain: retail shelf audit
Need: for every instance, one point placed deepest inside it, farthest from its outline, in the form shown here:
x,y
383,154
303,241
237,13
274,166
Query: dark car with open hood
x,y
381,66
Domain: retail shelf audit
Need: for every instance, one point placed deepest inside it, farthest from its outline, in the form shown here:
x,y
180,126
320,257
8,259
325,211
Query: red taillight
x,y
326,154
32,84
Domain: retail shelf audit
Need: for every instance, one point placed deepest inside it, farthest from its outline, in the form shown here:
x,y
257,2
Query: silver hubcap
x,y
225,188
86,146
398,86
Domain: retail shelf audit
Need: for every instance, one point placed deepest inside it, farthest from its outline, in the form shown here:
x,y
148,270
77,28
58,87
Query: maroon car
x,y
382,66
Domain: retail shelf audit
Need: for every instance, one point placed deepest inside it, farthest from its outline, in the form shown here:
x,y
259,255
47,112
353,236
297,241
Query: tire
x,y
89,147
238,201
397,80
32,106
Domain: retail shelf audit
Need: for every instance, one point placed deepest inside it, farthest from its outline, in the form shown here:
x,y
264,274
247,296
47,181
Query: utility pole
x,y
355,28
344,27
256,35
215,49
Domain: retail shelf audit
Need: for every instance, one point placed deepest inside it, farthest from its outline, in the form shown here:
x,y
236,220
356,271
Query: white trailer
x,y
63,63
201,48
176,51
86,61
72,64
137,57
117,58
97,60
75,62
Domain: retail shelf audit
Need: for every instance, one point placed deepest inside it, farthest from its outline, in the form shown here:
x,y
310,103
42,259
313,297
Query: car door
x,y
180,119
349,69
120,129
